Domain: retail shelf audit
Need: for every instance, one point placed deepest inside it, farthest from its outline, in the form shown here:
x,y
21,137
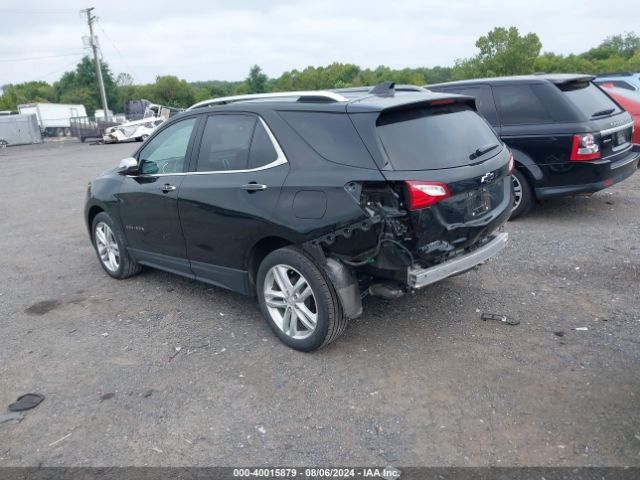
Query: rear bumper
x,y
602,174
420,277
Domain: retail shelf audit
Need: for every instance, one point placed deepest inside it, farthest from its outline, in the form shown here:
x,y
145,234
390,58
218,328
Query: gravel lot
x,y
419,381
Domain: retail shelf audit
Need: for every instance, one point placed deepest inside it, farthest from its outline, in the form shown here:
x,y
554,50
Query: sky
x,y
221,40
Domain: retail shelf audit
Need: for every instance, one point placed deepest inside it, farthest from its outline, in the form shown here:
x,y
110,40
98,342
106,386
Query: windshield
x,y
434,138
589,99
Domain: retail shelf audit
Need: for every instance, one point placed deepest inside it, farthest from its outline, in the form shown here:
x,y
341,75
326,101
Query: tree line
x,y
502,51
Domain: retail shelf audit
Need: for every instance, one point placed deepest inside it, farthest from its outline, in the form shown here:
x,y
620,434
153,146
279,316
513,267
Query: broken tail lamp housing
x,y
584,147
425,194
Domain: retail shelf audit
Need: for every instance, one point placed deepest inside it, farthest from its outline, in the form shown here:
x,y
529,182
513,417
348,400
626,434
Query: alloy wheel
x,y
517,192
290,301
107,247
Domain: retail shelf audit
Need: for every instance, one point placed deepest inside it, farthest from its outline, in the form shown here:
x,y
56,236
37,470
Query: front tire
x,y
523,195
298,300
110,247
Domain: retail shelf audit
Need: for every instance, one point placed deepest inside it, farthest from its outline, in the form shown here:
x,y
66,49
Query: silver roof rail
x,y
309,94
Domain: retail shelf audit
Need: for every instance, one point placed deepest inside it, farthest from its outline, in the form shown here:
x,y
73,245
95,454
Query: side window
x,y
166,152
519,105
225,143
484,101
262,151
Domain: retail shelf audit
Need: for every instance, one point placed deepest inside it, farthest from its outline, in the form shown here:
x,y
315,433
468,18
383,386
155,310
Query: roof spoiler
x,y
384,89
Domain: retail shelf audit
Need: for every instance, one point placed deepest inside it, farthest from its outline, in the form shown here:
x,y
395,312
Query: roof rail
x,y
614,74
304,96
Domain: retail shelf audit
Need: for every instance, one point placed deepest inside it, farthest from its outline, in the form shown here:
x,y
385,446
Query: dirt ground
x,y
415,382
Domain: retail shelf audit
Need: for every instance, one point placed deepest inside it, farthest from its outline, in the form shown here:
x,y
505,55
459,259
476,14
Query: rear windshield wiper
x,y
603,112
484,149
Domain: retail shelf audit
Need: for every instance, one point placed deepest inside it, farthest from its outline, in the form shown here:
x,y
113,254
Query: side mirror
x,y
128,165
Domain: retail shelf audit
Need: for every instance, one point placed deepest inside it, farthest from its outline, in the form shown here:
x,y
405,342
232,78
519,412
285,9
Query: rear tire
x,y
111,249
523,195
298,300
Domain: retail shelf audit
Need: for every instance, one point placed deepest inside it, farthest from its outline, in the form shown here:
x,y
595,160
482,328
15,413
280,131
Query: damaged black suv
x,y
309,200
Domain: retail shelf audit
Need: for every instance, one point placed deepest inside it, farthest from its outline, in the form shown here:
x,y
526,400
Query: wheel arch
x,y
259,251
527,166
92,212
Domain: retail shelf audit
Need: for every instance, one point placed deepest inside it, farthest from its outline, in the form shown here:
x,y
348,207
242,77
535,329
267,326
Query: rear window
x,y
589,99
434,138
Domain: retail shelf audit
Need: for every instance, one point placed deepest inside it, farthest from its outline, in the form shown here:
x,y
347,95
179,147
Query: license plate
x,y
478,202
621,137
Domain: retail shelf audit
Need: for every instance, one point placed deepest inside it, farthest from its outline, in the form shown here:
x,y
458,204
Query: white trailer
x,y
53,118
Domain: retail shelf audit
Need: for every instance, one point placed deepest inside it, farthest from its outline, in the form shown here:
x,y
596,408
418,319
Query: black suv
x,y
567,136
309,200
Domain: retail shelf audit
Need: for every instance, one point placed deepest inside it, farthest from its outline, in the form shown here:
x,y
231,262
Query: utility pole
x,y
103,94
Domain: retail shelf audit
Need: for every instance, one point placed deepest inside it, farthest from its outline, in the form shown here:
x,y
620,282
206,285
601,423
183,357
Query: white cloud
x,y
200,40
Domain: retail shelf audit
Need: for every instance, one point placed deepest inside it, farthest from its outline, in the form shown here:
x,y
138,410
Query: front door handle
x,y
166,188
254,187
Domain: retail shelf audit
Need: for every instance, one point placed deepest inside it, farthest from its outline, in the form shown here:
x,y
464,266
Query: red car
x,y
630,101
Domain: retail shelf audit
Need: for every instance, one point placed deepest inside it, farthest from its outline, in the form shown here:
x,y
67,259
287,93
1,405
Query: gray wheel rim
x,y
290,301
107,247
517,192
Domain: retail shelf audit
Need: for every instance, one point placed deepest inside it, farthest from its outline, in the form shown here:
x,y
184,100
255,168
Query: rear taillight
x,y
584,147
424,194
512,164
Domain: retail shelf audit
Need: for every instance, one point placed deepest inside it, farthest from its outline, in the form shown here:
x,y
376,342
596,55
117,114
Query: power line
x,y
26,59
42,77
40,11
115,48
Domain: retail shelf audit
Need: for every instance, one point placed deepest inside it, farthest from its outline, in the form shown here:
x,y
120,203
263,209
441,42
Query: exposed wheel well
x,y
93,211
260,250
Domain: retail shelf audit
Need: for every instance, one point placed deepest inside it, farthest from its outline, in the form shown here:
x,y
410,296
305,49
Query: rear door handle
x,y
166,188
254,187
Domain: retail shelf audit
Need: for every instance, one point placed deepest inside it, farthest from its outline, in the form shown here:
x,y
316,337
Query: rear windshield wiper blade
x,y
484,149
603,112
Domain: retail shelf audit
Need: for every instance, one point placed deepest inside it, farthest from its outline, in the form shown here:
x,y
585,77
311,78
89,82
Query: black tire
x,y
331,322
82,139
526,199
127,266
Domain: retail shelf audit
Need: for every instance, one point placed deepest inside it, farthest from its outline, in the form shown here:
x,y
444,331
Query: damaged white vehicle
x,y
137,130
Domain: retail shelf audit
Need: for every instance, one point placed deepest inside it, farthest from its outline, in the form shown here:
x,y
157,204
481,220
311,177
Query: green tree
x,y
27,92
505,52
169,90
81,86
256,81
623,46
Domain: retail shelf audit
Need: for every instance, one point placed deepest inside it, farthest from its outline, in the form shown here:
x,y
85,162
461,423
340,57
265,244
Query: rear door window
x,y
519,105
589,99
435,138
225,143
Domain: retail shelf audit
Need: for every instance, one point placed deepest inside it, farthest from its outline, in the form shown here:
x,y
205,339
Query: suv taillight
x,y
512,164
584,147
424,194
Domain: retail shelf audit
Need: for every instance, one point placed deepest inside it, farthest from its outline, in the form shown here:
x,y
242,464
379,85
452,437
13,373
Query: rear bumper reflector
x,y
420,277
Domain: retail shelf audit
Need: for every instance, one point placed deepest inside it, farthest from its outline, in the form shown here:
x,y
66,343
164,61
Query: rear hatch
x,y
611,126
451,172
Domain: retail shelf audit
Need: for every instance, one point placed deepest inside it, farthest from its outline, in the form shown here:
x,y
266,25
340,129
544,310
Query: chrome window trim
x,y
616,129
281,159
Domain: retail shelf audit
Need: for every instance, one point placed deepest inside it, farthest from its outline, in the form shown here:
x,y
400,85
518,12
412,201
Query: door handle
x,y
254,187
166,188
